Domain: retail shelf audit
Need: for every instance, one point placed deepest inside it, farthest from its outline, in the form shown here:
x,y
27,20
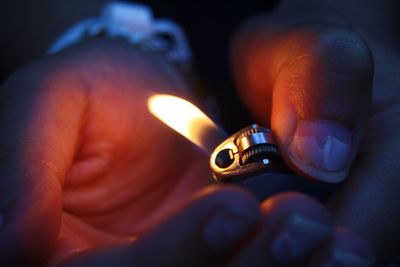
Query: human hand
x,y
82,161
90,178
330,90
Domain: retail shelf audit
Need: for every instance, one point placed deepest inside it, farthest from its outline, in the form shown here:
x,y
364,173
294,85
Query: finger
x,y
347,249
200,234
315,83
369,200
294,225
41,114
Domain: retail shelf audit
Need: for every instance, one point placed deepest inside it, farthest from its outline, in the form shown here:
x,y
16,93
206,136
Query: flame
x,y
186,119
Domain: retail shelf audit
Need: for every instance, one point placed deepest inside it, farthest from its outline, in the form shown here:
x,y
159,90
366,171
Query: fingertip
x,y
294,202
321,99
315,80
229,227
347,248
296,225
348,239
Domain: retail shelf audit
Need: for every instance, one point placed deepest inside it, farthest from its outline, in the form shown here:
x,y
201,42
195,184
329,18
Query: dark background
x,y
29,27
210,26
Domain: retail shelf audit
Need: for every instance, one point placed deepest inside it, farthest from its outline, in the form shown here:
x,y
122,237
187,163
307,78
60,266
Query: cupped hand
x,y
83,162
90,178
330,90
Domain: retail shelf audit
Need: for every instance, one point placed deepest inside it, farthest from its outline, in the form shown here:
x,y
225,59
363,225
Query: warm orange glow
x,y
186,119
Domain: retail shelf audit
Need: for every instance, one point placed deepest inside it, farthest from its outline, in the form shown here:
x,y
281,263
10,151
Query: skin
x,y
79,142
328,65
72,135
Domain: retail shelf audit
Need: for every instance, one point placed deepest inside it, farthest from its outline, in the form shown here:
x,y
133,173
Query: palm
x,y
377,164
129,171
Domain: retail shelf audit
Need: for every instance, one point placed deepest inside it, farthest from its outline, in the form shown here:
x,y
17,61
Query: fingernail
x,y
341,258
322,145
227,227
298,237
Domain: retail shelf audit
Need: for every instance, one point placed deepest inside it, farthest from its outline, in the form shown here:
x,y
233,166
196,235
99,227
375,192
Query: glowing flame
x,y
186,119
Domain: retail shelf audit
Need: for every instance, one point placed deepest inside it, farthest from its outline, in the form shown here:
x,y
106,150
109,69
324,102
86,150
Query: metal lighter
x,y
250,158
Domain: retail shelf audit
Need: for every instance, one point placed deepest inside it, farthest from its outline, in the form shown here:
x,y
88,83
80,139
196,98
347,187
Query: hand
x,y
90,178
330,90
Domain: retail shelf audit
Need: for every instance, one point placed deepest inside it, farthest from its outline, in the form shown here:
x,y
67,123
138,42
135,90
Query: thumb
x,y
37,146
200,234
314,82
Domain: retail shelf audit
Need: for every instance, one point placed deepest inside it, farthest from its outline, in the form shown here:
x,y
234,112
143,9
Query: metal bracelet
x,y
134,23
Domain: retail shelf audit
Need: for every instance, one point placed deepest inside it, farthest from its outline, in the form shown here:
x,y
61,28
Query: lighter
x,y
250,158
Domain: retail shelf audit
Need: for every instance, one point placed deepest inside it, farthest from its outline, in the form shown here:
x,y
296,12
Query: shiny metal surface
x,y
241,144
253,138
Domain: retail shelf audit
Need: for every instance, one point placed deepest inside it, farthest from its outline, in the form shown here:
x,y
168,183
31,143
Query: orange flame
x,y
186,119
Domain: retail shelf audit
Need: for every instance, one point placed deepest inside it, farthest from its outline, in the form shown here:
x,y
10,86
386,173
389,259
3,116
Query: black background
x,y
30,26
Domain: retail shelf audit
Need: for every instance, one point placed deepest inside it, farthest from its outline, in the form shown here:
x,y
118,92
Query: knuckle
x,y
343,51
329,61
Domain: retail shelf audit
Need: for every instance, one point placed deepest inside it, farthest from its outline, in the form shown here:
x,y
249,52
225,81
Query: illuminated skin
x,y
75,131
328,85
88,166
